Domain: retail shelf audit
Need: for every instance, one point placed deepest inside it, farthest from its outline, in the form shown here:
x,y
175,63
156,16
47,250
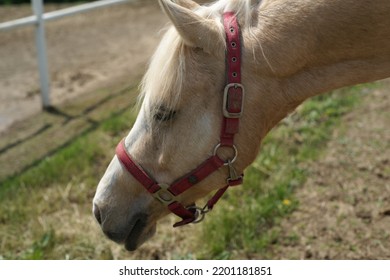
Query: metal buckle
x,y
164,195
200,213
226,113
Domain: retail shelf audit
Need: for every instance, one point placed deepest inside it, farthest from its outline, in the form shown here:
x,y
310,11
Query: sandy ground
x,y
86,52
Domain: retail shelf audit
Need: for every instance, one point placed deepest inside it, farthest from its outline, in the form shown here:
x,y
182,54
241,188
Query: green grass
x,y
45,212
242,226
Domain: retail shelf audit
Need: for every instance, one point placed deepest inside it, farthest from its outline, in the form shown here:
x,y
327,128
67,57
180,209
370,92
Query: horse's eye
x,y
163,114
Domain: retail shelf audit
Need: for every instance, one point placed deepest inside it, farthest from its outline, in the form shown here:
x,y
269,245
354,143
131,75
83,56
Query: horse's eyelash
x,y
164,114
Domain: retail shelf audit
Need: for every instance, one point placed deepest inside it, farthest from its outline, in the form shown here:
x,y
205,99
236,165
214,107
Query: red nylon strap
x,y
233,47
216,197
135,170
187,215
202,171
233,95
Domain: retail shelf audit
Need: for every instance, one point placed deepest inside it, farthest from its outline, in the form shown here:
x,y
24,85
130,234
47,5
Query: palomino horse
x,y
228,65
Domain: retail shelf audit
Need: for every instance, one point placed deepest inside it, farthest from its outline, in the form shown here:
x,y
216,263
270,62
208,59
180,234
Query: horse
x,y
224,74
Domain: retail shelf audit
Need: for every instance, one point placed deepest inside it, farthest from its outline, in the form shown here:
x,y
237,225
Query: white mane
x,y
163,80
216,9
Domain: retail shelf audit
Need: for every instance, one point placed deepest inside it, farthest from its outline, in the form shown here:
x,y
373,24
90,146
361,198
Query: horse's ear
x,y
195,30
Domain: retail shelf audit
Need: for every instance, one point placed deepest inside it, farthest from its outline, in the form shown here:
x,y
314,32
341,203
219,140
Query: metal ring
x,y
227,162
199,214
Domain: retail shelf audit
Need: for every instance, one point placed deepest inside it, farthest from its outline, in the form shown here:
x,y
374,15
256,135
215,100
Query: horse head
x,y
179,122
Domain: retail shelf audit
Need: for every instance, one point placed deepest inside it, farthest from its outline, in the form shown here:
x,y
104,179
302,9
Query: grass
x,y
45,212
243,225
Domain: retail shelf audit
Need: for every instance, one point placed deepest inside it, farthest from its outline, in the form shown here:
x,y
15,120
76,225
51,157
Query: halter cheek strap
x,y
232,110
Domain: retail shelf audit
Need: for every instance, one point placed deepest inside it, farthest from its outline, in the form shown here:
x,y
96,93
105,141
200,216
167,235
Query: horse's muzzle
x,y
132,233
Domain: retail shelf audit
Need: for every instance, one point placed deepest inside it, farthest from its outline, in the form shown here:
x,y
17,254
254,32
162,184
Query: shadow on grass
x,y
65,118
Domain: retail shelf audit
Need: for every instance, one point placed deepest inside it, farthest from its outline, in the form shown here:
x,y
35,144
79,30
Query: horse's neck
x,y
316,46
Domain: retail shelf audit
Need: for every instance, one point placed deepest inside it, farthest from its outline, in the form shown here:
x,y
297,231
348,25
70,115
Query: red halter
x,y
232,109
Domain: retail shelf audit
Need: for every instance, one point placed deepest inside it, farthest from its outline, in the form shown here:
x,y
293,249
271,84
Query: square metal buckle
x,y
225,104
164,195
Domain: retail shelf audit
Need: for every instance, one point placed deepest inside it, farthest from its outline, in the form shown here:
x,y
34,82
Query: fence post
x,y
40,41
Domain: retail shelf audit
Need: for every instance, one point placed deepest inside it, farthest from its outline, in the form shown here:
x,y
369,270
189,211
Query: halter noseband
x,y
232,110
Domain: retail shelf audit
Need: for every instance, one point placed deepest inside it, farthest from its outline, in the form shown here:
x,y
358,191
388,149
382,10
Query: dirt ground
x,y
86,52
344,210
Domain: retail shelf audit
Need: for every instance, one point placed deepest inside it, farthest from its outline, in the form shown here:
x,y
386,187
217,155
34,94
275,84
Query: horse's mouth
x,y
140,233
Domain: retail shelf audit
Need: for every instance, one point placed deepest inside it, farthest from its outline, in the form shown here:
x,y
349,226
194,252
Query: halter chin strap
x,y
233,98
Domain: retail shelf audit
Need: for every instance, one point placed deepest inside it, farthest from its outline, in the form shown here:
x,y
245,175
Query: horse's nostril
x,y
97,214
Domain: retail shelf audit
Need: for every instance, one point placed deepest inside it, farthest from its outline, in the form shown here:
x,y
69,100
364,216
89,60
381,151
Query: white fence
x,y
38,19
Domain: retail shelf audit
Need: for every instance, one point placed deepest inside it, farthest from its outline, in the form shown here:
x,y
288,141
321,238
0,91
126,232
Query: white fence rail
x,y
38,19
